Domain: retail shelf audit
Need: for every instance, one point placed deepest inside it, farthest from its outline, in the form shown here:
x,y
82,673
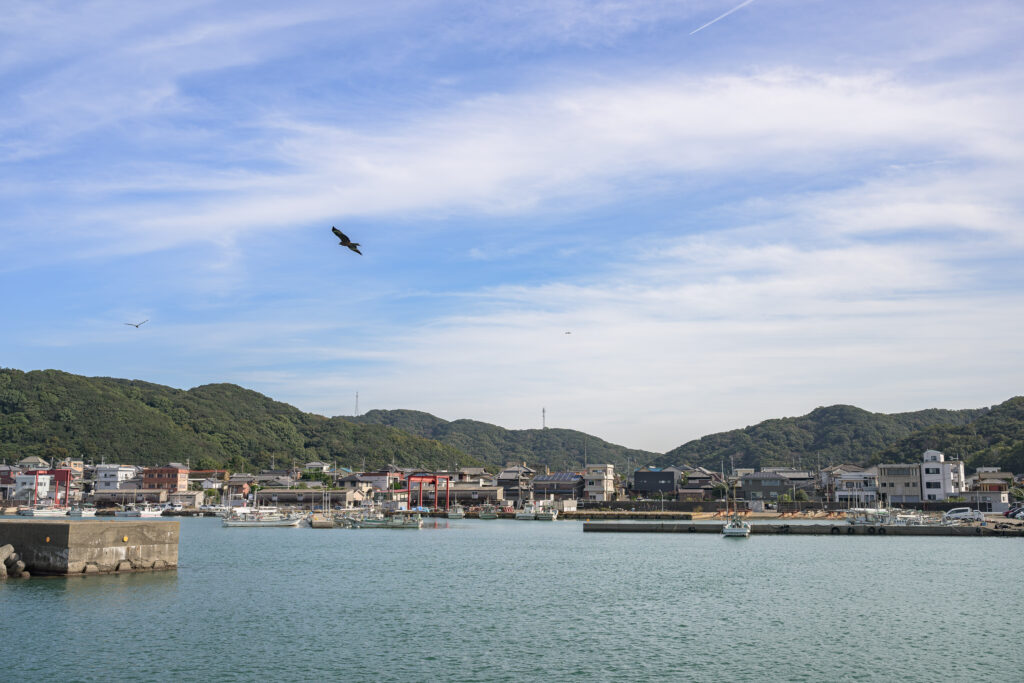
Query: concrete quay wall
x,y
66,547
804,529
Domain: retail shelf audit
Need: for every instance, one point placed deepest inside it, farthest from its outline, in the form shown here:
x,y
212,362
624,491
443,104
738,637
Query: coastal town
x,y
936,483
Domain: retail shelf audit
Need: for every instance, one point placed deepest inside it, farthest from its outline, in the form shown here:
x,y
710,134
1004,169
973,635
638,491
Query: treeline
x,y
54,414
558,449
838,434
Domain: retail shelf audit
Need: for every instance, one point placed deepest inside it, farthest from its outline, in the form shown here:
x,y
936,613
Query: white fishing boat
x,y
140,511
456,512
546,513
528,511
255,517
42,511
82,511
736,527
488,511
403,519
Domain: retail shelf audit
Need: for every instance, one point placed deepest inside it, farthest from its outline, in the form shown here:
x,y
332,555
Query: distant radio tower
x,y
357,404
544,418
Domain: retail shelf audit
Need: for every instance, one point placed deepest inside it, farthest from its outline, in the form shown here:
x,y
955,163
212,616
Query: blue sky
x,y
801,204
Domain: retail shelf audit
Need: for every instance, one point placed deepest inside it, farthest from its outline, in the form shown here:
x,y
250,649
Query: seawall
x,y
68,547
842,529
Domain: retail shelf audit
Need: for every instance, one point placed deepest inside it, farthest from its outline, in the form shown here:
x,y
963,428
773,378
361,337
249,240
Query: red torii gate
x,y
422,479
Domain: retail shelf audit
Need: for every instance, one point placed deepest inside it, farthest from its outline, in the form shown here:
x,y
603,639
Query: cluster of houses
x,y
934,479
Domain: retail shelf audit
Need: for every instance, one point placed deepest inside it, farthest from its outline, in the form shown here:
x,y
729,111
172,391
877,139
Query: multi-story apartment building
x,y
941,478
899,483
857,488
112,477
933,479
600,482
172,478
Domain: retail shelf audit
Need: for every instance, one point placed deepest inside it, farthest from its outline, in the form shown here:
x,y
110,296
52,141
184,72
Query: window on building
x,y
931,470
933,484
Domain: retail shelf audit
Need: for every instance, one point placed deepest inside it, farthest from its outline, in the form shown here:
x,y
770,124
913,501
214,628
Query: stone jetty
x,y
71,547
841,529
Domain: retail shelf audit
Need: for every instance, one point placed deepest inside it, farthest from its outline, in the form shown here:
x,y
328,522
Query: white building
x,y
112,477
941,478
599,482
29,487
857,489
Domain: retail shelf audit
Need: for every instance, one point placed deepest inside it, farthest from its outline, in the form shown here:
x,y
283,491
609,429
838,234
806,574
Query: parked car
x,y
963,514
1013,510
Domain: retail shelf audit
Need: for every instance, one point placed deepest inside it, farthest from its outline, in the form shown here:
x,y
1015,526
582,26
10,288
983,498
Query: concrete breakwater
x,y
65,547
808,529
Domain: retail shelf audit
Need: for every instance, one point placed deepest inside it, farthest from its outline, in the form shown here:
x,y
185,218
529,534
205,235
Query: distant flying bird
x,y
345,241
568,332
136,325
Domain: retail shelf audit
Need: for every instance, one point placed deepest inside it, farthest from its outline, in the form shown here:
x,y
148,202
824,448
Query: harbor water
x,y
503,600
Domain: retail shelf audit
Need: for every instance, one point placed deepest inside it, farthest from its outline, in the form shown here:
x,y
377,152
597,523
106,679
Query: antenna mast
x,y
544,418
357,404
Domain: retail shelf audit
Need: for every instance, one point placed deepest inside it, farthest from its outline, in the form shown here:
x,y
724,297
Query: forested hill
x,y
826,436
995,439
559,449
54,414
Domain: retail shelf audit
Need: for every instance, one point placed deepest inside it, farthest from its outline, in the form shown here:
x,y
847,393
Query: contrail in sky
x,y
739,6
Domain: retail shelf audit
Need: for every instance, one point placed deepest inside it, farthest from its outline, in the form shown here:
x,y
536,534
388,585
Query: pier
x,y
55,547
839,529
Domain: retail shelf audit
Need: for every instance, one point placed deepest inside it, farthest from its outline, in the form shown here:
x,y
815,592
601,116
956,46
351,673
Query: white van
x,y
964,514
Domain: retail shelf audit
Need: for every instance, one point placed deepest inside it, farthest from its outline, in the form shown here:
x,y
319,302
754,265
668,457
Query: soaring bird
x,y
136,325
345,241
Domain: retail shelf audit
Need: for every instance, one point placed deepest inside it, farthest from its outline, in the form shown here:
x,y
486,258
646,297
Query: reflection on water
x,y
519,601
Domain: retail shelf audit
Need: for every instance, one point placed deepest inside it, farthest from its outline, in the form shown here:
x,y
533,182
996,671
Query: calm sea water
x,y
502,600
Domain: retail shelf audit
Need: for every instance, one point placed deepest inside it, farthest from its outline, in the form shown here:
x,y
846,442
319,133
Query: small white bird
x,y
136,325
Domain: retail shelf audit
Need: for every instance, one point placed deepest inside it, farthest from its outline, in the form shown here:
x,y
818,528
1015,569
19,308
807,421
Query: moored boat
x,y
136,511
488,511
456,512
528,511
736,527
82,511
546,513
42,511
256,517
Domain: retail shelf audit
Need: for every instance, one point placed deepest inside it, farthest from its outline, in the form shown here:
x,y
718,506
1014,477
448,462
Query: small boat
x,y
546,513
82,511
488,512
42,511
528,511
253,517
136,511
402,519
736,527
456,512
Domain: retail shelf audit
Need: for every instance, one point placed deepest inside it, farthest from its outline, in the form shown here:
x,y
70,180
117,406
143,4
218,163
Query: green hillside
x,y
558,449
823,437
54,414
995,439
